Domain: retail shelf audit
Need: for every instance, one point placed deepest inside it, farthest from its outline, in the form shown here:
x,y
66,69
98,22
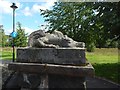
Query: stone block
x,y
74,56
55,76
67,70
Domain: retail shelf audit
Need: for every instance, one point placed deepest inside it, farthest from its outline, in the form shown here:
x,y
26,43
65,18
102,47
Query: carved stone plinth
x,y
69,56
54,76
51,68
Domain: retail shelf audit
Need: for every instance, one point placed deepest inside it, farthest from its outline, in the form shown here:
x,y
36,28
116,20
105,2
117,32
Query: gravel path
x,y
95,82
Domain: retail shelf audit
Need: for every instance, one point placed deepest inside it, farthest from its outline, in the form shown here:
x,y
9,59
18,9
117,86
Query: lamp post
x,y
13,33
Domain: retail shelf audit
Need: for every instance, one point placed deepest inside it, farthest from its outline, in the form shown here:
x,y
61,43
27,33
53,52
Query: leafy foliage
x,y
21,39
92,23
3,37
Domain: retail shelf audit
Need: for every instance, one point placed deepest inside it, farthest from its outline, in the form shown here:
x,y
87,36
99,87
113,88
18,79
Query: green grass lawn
x,y
103,55
104,60
6,53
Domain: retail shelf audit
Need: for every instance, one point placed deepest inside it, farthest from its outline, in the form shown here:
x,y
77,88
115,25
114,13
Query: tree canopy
x,y
96,24
21,39
3,37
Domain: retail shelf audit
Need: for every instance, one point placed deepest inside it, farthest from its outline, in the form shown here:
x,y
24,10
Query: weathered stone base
x,y
45,81
74,56
47,68
32,75
59,81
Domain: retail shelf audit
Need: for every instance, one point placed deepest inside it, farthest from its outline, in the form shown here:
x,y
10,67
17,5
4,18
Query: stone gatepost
x,y
47,67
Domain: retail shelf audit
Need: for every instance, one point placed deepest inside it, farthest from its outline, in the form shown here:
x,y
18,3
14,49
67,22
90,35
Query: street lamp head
x,y
13,6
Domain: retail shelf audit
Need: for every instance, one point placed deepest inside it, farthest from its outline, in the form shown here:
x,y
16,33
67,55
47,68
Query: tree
x,y
108,19
21,39
3,37
69,18
87,22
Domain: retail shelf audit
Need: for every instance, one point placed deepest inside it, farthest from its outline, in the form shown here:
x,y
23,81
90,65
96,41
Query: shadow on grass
x,y
109,71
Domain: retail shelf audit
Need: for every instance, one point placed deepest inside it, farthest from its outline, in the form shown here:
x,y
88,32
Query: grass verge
x,y
105,61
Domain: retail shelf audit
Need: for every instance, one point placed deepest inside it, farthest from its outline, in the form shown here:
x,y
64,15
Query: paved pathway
x,y
95,82
98,82
5,61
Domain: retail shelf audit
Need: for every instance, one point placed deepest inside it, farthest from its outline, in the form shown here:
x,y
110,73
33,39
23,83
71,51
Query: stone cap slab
x,y
69,70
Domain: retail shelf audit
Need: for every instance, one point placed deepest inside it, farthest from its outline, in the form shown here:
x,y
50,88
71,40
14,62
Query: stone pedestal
x,y
69,56
57,68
